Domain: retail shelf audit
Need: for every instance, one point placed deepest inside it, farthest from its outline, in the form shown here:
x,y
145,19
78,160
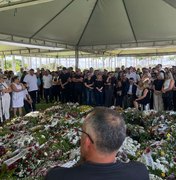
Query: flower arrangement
x,y
32,144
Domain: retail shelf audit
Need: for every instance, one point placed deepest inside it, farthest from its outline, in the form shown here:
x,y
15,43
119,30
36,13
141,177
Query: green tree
x,y
8,65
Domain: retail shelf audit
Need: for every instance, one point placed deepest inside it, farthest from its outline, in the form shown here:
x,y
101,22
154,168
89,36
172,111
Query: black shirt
x,y
64,77
158,83
88,81
78,84
92,171
98,84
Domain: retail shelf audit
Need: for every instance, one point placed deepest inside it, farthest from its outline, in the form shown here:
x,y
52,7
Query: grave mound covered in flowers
x,y
31,145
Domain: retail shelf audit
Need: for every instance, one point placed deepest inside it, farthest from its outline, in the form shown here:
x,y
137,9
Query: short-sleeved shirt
x,y
64,78
31,80
112,171
47,81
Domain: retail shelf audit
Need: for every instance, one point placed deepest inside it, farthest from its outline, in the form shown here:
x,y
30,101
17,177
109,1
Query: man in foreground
x,y
103,133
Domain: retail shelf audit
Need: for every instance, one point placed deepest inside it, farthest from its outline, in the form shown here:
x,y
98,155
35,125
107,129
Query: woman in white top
x,y
139,89
167,91
17,95
4,99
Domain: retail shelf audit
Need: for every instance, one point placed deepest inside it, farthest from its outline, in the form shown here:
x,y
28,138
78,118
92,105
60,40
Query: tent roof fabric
x,y
92,23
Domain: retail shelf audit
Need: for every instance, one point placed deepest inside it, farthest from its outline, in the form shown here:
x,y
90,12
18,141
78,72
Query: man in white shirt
x,y
47,83
31,81
132,74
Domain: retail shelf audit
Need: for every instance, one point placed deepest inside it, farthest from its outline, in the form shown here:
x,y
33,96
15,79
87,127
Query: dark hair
x,y
109,128
14,78
24,83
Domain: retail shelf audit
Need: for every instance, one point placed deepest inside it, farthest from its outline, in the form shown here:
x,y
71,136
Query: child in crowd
x,y
27,99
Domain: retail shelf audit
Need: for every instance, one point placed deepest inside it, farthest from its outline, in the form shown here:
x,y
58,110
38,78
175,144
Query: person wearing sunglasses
x,y
103,133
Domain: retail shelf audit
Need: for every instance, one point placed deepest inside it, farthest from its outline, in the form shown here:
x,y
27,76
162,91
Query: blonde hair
x,y
145,84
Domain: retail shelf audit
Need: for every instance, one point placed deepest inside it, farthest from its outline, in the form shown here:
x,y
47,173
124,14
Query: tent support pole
x,y
22,62
76,58
13,64
40,62
2,64
30,62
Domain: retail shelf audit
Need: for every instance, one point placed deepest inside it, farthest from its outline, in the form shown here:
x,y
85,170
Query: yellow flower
x,y
168,136
162,153
138,153
163,174
9,124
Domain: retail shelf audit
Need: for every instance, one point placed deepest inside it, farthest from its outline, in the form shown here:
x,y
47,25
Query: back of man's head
x,y
108,128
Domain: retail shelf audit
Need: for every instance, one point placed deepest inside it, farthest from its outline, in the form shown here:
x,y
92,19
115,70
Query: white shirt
x,y
166,83
25,93
130,89
139,92
133,75
47,81
31,81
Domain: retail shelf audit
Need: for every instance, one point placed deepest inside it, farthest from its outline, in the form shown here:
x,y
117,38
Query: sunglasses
x,y
79,130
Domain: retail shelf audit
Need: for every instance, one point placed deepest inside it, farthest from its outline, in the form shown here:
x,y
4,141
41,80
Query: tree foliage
x,y
8,65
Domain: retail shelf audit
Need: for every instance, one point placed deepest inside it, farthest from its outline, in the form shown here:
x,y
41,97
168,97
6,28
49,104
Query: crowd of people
x,y
153,88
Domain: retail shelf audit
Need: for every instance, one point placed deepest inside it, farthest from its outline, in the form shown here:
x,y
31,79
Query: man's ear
x,y
87,143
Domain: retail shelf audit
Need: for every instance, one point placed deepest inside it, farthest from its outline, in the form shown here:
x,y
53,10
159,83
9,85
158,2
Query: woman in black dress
x,y
145,98
167,91
118,93
99,88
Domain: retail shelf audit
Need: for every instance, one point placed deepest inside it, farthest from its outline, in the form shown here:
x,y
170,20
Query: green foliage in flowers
x,y
33,121
6,173
40,137
157,172
4,131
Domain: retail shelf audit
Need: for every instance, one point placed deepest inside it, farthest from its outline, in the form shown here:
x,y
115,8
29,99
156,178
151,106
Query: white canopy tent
x,y
93,26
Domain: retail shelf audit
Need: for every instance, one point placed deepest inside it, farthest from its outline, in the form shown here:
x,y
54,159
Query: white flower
x,y
112,107
75,140
160,166
154,177
146,113
42,136
162,117
74,153
129,146
33,114
172,112
45,153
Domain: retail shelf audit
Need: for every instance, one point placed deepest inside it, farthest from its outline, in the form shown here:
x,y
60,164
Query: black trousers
x,y
168,100
47,95
108,96
119,100
33,95
27,107
78,92
65,95
55,91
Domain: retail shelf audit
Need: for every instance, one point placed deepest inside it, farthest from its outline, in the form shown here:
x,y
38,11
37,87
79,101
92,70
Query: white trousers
x,y
5,105
158,102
